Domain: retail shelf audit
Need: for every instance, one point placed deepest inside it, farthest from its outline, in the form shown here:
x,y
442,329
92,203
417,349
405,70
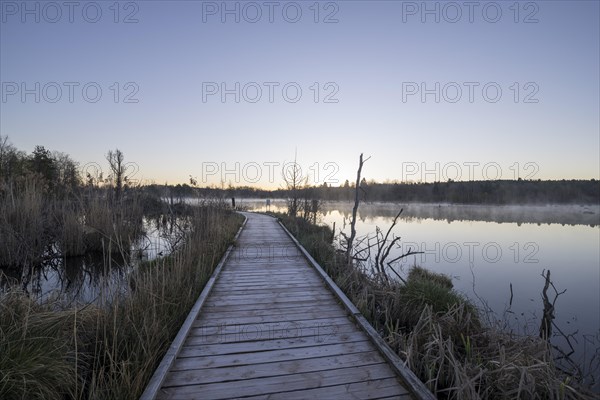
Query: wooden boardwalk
x,y
269,327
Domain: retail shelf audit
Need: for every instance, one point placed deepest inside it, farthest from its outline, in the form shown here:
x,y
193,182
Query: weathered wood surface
x,y
271,328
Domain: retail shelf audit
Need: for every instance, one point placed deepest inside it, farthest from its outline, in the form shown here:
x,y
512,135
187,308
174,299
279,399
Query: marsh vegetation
x,y
108,346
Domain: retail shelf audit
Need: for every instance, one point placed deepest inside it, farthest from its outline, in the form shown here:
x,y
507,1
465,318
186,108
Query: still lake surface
x,y
485,249
95,278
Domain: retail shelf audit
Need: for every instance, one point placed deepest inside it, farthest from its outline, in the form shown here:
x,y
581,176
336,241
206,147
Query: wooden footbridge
x,y
270,324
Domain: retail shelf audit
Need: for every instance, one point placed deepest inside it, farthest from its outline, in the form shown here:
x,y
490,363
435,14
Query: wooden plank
x,y
245,272
207,349
230,287
313,294
261,287
253,306
268,277
234,333
277,284
269,316
264,289
265,298
264,292
268,260
275,311
325,316
270,274
263,370
377,389
251,296
265,270
270,280
239,293
266,331
277,384
265,264
272,255
311,280
268,300
228,360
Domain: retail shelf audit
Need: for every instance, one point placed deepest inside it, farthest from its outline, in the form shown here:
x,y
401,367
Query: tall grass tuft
x,y
426,289
70,230
23,224
37,356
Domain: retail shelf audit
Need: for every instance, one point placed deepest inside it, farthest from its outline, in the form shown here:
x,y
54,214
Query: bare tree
x,y
292,177
384,248
350,240
116,162
359,249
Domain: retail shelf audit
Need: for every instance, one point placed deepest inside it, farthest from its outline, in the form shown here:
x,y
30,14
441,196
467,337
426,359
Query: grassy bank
x,y
109,352
440,334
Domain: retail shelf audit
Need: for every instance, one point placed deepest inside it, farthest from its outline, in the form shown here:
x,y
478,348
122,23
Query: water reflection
x,y
97,277
530,214
551,214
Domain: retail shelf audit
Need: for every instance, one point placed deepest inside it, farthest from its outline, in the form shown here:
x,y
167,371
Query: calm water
x,y
94,278
485,249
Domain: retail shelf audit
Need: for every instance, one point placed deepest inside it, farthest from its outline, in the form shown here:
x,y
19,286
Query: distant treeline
x,y
58,175
466,192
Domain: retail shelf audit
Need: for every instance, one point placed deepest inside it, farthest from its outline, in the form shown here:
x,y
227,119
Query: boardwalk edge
x,y
159,375
413,383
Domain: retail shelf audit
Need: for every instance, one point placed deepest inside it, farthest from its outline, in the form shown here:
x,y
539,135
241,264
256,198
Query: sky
x,y
234,91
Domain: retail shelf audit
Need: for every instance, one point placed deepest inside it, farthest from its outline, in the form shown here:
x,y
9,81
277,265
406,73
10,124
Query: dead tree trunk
x,y
350,241
548,316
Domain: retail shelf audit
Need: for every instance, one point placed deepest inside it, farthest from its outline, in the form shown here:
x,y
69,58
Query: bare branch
x,y
354,212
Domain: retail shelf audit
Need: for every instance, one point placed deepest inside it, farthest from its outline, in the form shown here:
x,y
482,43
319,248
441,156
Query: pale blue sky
x,y
374,51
